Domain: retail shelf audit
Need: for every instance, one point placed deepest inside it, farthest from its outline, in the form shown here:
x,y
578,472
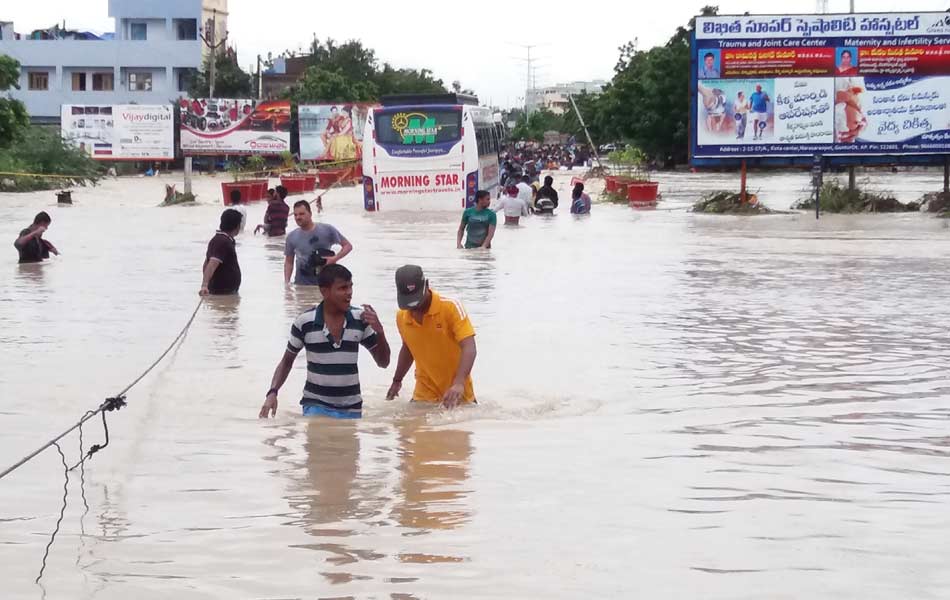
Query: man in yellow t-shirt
x,y
438,336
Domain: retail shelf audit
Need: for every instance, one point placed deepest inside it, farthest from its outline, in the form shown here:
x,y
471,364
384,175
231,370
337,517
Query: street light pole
x,y
210,40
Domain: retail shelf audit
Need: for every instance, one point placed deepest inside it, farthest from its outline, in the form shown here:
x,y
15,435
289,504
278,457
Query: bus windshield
x,y
420,126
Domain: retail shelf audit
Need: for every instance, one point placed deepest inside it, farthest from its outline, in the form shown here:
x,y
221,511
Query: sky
x,y
479,44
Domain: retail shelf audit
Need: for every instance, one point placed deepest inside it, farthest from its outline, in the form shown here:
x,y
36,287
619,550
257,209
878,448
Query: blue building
x,y
149,59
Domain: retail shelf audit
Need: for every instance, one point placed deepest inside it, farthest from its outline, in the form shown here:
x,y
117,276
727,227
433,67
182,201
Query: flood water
x,y
670,406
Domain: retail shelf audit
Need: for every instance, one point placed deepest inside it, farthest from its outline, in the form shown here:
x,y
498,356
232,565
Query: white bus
x,y
428,152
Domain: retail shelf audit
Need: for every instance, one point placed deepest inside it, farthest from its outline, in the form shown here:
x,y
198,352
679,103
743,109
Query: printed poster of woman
x,y
339,137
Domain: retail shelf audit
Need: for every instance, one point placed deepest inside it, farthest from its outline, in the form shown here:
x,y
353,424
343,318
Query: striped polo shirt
x,y
333,379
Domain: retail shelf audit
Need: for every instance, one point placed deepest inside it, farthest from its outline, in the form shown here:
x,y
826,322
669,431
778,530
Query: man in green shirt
x,y
480,222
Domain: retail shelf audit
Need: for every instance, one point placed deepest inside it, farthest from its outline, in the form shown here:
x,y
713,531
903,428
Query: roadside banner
x,y
219,127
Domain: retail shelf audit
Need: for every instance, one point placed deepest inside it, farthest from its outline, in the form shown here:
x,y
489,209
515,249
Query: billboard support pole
x,y
817,172
851,183
189,162
946,174
742,195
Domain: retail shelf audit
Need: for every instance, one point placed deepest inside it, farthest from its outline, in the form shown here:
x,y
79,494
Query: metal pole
x,y
189,163
260,81
214,52
587,133
946,174
742,179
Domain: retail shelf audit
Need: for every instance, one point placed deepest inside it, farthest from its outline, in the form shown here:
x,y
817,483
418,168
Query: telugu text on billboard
x,y
859,84
221,127
332,132
121,132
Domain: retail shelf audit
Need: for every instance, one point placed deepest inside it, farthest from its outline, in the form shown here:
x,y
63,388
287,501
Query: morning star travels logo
x,y
415,128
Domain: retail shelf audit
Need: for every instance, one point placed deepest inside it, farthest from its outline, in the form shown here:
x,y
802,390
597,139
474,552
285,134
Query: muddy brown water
x,y
670,406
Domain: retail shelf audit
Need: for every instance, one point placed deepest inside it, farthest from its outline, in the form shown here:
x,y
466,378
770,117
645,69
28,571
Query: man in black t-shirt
x,y
221,271
547,191
31,245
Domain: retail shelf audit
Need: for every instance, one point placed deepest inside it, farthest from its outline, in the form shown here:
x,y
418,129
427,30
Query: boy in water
x,y
480,223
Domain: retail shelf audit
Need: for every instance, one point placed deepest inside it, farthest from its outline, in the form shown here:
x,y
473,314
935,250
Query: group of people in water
x,y
436,332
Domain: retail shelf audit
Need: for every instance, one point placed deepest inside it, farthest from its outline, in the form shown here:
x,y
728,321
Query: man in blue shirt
x,y
760,109
708,69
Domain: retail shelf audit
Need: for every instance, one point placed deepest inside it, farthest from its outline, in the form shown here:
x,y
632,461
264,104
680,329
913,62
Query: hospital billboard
x,y
835,85
222,127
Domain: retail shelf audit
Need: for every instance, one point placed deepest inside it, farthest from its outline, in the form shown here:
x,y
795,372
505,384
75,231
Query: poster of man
x,y
332,132
709,67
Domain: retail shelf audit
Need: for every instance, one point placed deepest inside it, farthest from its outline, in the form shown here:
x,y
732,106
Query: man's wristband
x,y
272,391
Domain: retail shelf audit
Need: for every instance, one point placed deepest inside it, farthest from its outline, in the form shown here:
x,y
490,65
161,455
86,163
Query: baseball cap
x,y
410,286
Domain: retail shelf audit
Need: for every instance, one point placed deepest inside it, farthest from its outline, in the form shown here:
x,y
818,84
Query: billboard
x,y
120,132
332,131
234,126
836,85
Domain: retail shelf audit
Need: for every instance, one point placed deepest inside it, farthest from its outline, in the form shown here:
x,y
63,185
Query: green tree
x,y
14,120
351,72
534,126
647,102
321,85
350,59
390,80
590,108
230,81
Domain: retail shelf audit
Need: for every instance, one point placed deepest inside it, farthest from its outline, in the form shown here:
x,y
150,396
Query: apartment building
x,y
150,58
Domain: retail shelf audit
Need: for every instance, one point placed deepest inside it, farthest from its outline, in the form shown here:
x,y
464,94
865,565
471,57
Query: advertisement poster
x,y
121,132
822,84
332,132
90,128
223,127
144,132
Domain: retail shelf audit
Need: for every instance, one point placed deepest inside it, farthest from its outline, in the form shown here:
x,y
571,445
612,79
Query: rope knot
x,y
113,403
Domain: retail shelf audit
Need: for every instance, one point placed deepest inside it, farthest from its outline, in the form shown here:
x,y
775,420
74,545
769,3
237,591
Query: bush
x,y
44,152
835,198
730,203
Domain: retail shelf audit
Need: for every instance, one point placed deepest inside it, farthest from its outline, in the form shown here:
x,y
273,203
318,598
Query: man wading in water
x,y
332,332
311,245
438,336
31,245
480,222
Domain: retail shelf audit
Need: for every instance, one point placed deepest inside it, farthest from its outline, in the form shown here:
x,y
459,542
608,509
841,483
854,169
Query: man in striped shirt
x,y
332,333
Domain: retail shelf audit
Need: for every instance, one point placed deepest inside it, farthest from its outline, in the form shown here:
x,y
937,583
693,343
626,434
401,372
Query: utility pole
x,y
529,76
580,118
210,38
528,87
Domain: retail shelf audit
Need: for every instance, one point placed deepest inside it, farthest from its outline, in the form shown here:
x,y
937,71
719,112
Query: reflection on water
x,y
338,501
434,464
671,405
